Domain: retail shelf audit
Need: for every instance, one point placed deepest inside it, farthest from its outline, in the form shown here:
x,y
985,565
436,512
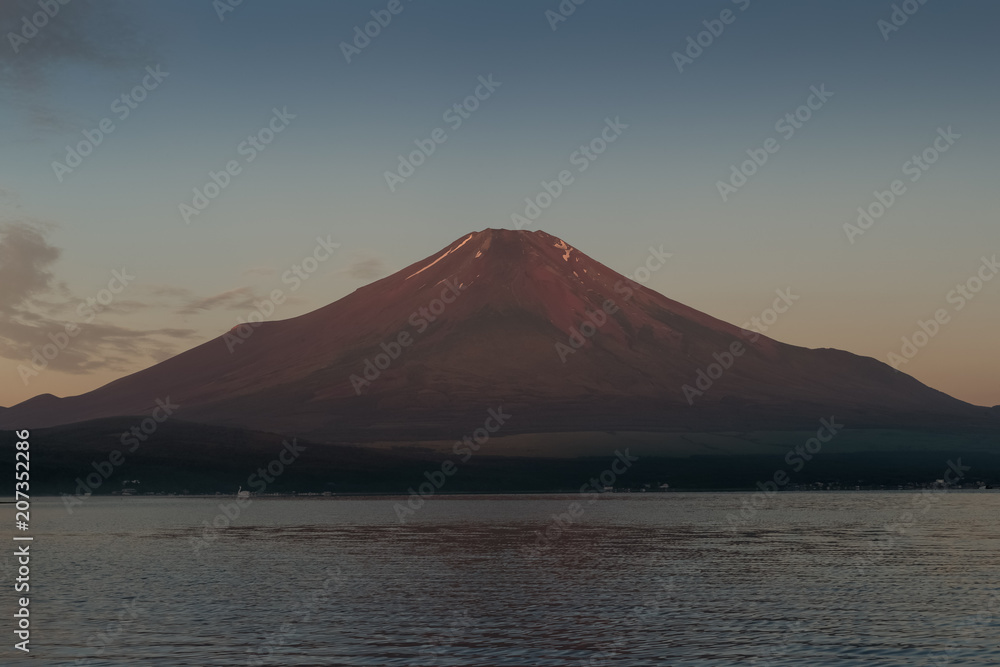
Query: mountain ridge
x,y
485,318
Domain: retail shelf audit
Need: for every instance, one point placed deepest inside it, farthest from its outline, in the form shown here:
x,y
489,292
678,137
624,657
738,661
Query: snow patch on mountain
x,y
440,258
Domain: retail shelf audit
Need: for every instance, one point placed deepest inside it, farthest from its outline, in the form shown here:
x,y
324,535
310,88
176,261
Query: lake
x,y
821,578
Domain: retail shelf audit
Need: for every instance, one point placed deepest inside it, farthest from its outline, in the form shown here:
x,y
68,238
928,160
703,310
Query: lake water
x,y
637,579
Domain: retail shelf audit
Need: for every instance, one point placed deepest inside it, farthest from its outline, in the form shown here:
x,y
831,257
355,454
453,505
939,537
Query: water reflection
x,y
641,580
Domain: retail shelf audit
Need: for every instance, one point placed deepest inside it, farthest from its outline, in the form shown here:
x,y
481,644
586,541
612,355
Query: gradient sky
x,y
656,185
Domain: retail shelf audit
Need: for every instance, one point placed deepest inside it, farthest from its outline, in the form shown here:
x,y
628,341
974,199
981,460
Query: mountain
x,y
486,324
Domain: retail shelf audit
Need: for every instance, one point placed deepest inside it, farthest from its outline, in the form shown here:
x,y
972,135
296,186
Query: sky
x,y
106,223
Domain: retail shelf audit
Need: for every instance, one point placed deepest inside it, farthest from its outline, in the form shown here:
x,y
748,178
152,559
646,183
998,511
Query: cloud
x,y
126,306
26,258
94,346
84,34
170,291
366,268
242,298
187,302
37,309
9,199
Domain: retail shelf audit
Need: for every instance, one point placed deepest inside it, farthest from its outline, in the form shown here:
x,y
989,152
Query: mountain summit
x,y
518,319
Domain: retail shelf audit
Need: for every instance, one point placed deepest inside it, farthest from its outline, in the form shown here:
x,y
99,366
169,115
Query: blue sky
x,y
657,184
